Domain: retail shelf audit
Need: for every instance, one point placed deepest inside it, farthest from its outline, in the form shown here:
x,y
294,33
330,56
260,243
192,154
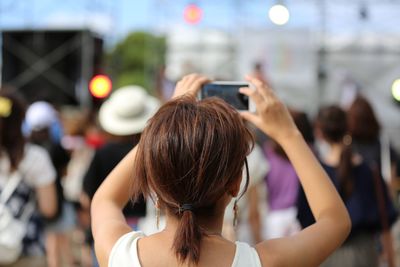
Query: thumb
x,y
251,117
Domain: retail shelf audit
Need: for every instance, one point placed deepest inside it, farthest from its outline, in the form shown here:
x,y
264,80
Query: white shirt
x,y
36,167
125,253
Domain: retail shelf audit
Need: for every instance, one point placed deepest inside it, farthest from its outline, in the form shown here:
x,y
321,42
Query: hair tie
x,y
186,207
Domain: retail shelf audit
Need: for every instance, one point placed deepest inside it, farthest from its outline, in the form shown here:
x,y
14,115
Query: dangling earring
x,y
235,213
157,206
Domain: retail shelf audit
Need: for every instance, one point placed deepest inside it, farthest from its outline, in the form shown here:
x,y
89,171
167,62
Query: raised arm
x,y
314,244
108,221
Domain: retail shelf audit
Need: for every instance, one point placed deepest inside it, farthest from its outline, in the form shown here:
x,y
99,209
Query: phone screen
x,y
228,92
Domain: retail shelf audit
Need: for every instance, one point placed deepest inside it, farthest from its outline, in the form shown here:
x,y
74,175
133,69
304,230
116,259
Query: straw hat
x,y
127,110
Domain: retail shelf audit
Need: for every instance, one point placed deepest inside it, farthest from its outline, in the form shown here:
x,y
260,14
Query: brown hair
x,y
332,122
363,124
189,155
12,141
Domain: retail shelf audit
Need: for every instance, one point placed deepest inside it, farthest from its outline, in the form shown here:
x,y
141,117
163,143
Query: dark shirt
x,y
362,204
371,152
103,162
60,159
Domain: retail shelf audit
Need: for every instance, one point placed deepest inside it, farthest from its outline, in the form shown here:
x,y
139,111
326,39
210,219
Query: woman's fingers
x,y
253,94
263,89
251,117
197,83
190,84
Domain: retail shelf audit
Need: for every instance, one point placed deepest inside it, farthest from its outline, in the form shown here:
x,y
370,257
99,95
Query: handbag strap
x,y
12,184
10,187
383,214
29,209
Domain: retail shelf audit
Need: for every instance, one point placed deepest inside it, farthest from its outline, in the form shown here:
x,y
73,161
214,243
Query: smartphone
x,y
228,91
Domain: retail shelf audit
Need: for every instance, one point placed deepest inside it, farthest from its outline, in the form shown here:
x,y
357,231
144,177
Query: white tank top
x,y
124,253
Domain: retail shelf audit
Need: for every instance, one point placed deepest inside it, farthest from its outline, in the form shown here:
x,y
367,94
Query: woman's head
x,y
331,122
11,117
363,124
192,152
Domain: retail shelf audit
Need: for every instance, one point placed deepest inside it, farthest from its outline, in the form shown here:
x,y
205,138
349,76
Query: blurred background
x,y
313,52
73,54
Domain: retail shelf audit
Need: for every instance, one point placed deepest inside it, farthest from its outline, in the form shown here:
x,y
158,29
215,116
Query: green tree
x,y
136,60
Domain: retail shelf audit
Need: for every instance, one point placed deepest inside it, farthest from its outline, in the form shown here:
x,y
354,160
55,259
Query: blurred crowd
x,y
63,156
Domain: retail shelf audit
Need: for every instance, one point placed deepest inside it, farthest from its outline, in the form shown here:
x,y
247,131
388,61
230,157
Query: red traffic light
x,y
100,86
193,14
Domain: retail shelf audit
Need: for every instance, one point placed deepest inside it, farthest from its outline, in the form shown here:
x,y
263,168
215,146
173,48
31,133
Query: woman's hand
x,y
273,118
190,85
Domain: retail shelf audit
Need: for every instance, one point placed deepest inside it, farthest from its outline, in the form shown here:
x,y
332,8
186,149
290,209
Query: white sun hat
x,y
127,110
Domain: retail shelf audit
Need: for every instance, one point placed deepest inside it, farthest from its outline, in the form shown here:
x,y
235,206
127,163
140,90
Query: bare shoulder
x,y
106,236
270,252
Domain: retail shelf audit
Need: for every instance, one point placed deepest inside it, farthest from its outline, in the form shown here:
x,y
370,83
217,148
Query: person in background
x,y
190,158
259,73
123,116
376,150
76,124
282,184
164,86
367,139
37,187
39,122
355,183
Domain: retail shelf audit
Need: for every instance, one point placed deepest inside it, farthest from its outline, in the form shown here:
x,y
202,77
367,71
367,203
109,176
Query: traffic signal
x,y
100,86
193,14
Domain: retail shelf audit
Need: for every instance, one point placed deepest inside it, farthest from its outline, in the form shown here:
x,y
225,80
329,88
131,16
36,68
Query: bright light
x,y
396,90
193,14
100,86
279,14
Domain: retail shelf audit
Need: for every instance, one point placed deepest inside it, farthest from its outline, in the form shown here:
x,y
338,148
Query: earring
x,y
157,206
235,213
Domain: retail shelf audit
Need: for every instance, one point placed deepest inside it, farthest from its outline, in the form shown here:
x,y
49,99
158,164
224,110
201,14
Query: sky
x,y
114,19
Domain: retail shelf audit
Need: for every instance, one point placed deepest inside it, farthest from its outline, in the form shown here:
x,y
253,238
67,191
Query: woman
x,y
38,177
190,158
355,182
365,130
376,150
40,119
282,184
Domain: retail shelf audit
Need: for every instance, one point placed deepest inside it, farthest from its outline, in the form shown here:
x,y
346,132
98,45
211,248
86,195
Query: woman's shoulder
x,y
246,255
36,166
34,152
124,252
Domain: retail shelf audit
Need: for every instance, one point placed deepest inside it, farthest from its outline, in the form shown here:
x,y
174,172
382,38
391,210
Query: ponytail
x,y
189,234
345,171
333,124
188,238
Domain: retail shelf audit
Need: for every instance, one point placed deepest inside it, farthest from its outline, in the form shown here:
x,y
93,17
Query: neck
x,y
211,225
333,157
